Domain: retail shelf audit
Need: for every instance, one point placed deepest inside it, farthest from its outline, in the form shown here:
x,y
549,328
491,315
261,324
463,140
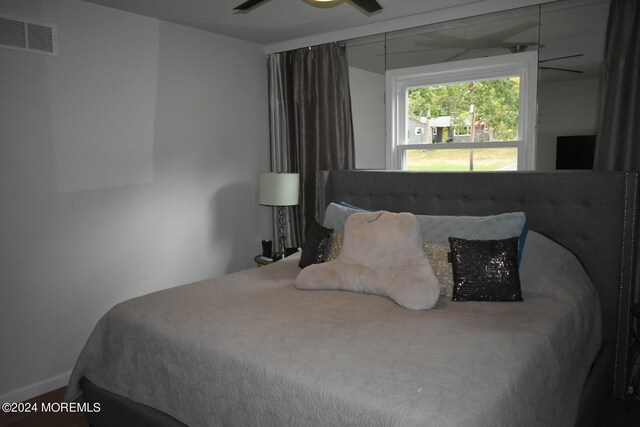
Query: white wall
x,y
369,115
128,164
565,108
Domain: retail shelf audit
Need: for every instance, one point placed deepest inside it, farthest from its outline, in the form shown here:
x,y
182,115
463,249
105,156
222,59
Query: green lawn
x,y
484,159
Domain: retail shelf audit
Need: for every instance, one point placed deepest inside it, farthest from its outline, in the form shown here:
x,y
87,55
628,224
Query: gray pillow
x,y
336,215
438,228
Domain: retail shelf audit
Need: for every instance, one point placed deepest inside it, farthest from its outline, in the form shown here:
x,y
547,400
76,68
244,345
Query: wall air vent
x,y
28,36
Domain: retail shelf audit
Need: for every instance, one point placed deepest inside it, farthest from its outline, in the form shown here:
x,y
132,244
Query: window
x,y
461,130
477,115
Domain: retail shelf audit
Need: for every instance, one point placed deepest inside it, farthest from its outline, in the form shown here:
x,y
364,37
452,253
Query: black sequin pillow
x,y
315,248
485,270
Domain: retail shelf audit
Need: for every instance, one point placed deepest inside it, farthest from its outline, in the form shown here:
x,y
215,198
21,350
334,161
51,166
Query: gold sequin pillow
x,y
438,256
335,246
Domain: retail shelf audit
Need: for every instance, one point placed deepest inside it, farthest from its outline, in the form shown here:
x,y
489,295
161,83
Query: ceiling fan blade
x,y
562,57
509,32
406,52
249,4
457,55
443,41
369,6
562,69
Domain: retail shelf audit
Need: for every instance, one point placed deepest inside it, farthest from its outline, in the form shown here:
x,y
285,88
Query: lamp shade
x,y
279,189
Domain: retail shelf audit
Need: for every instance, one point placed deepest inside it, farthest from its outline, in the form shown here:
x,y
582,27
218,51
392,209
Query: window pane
x,y
483,159
475,111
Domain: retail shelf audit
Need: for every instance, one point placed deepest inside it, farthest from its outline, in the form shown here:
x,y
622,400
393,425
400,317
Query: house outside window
x,y
474,115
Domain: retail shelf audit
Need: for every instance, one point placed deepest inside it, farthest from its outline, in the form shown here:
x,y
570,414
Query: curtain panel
x,y
311,126
618,140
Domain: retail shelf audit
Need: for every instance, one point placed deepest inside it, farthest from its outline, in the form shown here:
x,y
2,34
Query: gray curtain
x,y
618,140
310,117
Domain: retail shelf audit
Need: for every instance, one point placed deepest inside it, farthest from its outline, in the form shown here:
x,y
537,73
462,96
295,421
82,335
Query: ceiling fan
x,y
562,69
368,6
444,40
516,48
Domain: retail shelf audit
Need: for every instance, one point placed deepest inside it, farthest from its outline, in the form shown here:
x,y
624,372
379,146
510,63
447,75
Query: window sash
x,y
399,81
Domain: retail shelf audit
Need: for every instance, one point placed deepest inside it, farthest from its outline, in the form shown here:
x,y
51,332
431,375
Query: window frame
x,y
398,81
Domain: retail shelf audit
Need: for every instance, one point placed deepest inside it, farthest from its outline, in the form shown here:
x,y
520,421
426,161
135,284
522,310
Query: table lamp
x,y
279,190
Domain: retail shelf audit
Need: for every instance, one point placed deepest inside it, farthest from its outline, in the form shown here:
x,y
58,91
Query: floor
x,y
620,413
615,413
41,419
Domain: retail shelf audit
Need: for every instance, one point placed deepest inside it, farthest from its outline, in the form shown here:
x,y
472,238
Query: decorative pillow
x,y
336,215
485,270
335,246
316,245
438,228
349,205
381,254
438,256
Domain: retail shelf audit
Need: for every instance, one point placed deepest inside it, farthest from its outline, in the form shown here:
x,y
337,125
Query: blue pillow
x,y
347,205
522,238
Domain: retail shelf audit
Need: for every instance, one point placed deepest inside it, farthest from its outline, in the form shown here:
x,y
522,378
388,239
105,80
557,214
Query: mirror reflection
x,y
567,41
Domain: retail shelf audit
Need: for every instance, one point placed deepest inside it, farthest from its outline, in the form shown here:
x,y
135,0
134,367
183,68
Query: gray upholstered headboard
x,y
594,214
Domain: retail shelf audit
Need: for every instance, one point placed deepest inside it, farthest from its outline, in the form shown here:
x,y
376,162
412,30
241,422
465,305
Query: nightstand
x,y
262,260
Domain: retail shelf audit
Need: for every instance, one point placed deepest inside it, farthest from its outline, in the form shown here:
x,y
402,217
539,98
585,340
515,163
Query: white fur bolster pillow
x,y
382,254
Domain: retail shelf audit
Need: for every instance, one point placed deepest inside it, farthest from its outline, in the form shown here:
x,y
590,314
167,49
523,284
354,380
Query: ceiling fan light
x,y
323,3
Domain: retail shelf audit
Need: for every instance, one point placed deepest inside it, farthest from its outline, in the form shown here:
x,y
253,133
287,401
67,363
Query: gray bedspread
x,y
250,349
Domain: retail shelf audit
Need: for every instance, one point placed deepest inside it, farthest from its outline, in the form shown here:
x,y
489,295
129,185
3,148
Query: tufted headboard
x,y
594,214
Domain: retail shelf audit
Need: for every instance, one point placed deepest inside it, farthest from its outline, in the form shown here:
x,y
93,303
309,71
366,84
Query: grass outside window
x,y
484,159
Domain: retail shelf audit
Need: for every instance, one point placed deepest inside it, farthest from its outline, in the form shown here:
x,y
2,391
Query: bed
x,y
250,349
